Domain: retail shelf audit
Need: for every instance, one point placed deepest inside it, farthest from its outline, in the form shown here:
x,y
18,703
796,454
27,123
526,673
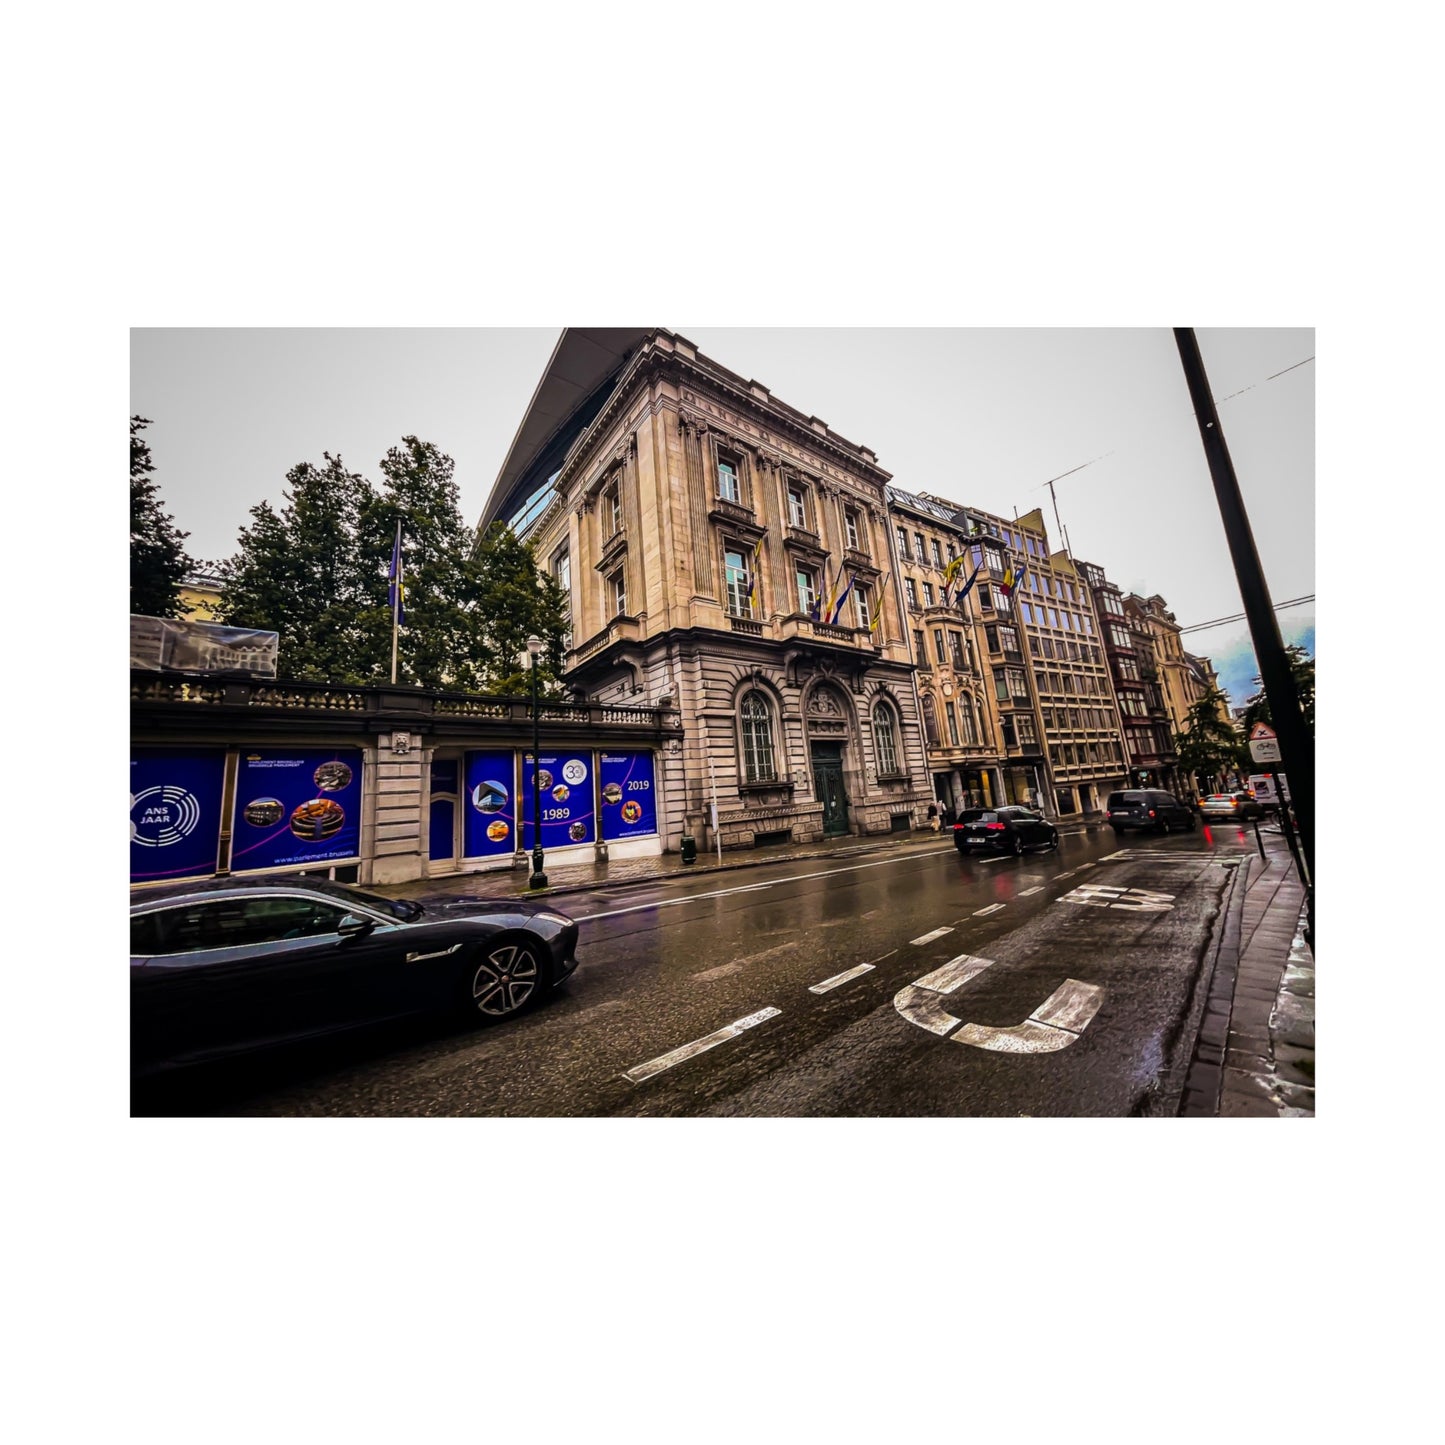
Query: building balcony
x,y
798,626
621,629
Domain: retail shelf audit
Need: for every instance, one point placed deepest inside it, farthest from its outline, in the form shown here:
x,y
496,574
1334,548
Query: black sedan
x,y
1005,830
227,965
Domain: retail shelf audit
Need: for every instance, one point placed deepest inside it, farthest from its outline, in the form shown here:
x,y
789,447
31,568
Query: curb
x,y
687,871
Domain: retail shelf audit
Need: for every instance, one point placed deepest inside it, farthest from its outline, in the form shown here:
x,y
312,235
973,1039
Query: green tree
x,y
1208,745
1302,667
300,573
316,572
158,560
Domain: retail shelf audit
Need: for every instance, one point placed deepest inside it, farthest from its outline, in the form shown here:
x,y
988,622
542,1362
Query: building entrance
x,y
827,759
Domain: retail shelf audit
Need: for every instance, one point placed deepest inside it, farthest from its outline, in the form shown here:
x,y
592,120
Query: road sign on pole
x,y
1263,745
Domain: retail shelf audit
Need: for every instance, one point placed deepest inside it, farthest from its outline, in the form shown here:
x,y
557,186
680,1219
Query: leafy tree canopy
x,y
1209,745
316,572
1302,667
158,560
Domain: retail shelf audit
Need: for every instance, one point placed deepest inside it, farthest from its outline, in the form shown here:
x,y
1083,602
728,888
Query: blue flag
x,y
396,586
842,598
967,587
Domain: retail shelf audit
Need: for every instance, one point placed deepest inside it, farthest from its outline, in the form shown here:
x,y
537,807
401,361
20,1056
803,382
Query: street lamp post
x,y
538,878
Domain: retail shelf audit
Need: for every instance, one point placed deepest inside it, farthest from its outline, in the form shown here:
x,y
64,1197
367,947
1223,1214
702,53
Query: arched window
x,y
757,719
930,720
885,739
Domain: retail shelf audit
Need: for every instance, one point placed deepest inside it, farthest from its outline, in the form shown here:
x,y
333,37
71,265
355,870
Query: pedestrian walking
x,y
933,817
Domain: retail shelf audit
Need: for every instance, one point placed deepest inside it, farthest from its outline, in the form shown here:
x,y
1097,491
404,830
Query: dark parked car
x,y
1148,809
1008,830
1231,807
227,965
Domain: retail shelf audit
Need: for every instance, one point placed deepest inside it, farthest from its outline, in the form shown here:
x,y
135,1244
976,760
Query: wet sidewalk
x,y
1255,1057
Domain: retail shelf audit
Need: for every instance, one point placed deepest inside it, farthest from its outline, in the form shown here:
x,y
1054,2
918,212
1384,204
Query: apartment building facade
x,y
729,557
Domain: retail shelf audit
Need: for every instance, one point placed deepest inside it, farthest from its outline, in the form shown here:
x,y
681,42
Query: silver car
x,y
1234,806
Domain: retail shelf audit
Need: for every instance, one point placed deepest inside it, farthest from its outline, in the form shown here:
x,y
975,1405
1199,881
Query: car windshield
x,y
405,909
978,815
1121,800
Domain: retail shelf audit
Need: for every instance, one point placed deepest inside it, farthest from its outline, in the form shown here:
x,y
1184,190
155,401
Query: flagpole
x,y
395,597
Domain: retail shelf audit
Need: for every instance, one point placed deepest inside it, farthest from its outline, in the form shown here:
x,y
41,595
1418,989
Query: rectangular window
x,y
918,547
1027,611
727,481
1008,638
955,647
911,587
738,584
862,606
928,594
1053,618
1046,646
970,726
990,633
938,650
851,529
1018,684
985,598
611,509
937,552
617,589
1000,684
902,543
797,507
1028,734
807,581
951,713
918,649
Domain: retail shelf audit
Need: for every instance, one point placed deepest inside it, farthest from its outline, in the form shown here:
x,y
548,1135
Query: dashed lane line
x,y
840,978
698,1046
1028,892
984,912
929,937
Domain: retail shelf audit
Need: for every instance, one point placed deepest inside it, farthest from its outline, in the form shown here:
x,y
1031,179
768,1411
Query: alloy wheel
x,y
505,980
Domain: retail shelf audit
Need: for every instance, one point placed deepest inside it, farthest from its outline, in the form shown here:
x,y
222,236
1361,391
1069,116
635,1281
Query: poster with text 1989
x,y
564,800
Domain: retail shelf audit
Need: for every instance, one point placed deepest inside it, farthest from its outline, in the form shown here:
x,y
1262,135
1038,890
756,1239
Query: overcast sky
x,y
984,417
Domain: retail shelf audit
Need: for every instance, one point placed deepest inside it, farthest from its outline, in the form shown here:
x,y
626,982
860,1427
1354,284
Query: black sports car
x,y
1008,829
233,964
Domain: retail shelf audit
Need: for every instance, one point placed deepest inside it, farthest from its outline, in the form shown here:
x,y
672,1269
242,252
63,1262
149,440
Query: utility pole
x,y
1297,747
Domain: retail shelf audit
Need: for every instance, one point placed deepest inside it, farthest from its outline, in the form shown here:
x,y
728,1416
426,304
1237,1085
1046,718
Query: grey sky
x,y
979,416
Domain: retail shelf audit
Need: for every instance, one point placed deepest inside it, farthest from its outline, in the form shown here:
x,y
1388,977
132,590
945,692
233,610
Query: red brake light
x,y
994,827
1151,812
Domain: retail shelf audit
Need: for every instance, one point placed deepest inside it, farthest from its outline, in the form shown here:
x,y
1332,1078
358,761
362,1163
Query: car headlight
x,y
561,920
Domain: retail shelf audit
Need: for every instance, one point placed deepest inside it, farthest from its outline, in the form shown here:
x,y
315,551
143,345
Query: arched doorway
x,y
829,718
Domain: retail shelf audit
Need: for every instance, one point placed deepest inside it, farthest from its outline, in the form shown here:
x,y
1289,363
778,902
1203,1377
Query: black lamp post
x,y
538,878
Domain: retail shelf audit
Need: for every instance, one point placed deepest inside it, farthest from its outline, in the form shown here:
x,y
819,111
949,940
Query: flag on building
x,y
755,591
968,586
842,598
1013,577
878,607
396,585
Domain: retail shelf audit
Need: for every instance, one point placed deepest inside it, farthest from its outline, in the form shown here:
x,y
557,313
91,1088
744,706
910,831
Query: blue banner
x,y
566,783
175,813
296,808
629,797
491,806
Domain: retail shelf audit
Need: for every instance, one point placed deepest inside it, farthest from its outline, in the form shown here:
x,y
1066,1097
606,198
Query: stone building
x,y
727,557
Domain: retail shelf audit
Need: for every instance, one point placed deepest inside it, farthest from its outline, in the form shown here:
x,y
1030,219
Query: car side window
x,y
231,923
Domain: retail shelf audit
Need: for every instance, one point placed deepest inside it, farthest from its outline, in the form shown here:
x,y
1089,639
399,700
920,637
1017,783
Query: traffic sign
x,y
1263,744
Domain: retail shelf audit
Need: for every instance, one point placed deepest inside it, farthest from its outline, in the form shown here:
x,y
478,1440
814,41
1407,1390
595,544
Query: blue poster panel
x,y
175,813
491,805
566,800
296,807
629,799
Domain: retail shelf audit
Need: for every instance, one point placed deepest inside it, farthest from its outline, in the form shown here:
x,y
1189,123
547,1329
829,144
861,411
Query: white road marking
x,y
921,1002
753,887
984,912
1082,866
698,1046
1038,888
721,971
1054,1025
929,937
1069,874
840,978
1131,900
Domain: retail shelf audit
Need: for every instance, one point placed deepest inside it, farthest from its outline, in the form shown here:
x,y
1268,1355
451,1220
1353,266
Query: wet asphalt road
x,y
1113,931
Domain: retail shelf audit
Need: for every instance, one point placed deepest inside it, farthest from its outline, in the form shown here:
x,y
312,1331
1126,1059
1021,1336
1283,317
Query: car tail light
x,y
1151,812
994,827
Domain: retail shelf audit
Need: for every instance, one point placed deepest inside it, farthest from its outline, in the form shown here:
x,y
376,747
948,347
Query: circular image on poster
x,y
577,832
489,797
561,793
575,771
264,812
497,830
612,793
544,779
331,777
631,811
320,818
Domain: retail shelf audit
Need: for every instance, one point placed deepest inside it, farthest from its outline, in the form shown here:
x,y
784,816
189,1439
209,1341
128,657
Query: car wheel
x,y
506,975
1015,845
1054,843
